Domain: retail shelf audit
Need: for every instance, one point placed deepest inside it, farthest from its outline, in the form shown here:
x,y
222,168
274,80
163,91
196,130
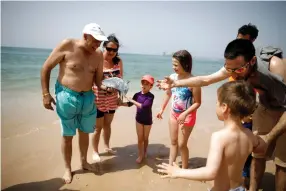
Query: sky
x,y
203,28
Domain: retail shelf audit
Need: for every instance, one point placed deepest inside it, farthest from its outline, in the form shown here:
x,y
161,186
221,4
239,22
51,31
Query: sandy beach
x,y
31,159
148,34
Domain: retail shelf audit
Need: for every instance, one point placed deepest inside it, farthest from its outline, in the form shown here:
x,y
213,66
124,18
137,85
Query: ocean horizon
x,y
164,53
20,67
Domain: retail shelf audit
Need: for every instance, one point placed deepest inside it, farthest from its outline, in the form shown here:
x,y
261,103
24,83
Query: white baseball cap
x,y
94,30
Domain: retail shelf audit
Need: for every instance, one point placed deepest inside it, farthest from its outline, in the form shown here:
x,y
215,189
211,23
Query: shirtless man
x,y
80,66
230,146
269,119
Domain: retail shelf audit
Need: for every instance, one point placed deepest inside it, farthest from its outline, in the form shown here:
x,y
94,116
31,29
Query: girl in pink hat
x,y
143,100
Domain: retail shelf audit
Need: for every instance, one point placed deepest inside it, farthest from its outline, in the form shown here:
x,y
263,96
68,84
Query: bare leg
x,y
67,154
184,135
140,136
256,173
107,131
83,146
280,178
173,128
147,129
95,139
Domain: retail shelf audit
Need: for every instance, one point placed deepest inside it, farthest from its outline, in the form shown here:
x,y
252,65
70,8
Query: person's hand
x,y
128,98
268,144
181,119
265,138
111,90
119,102
47,101
159,115
165,84
170,171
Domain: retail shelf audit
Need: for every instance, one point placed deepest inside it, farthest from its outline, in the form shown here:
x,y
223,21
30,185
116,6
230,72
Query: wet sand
x,y
32,160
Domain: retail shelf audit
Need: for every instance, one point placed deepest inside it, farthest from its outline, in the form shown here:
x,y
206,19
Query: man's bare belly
x,y
78,83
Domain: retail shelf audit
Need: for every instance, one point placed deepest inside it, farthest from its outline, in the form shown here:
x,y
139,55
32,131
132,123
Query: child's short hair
x,y
239,96
185,59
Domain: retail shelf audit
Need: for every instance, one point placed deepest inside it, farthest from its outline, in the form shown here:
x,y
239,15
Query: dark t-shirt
x,y
144,114
273,87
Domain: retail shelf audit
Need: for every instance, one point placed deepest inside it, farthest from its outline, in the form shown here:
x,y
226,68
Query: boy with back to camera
x,y
229,147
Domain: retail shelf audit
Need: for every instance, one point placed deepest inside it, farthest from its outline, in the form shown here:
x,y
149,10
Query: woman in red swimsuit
x,y
107,98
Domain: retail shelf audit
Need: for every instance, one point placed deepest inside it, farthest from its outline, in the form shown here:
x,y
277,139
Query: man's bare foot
x,y
67,178
89,167
139,159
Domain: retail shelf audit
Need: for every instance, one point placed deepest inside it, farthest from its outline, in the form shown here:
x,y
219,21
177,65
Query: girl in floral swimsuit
x,y
185,102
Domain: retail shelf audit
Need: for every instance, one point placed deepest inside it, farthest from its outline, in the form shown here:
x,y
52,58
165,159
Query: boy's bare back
x,y
230,146
235,147
235,143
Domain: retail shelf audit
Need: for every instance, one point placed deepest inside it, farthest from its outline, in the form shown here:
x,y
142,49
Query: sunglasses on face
x,y
237,70
111,49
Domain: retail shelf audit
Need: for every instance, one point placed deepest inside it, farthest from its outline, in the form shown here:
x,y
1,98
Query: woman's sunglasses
x,y
239,70
111,49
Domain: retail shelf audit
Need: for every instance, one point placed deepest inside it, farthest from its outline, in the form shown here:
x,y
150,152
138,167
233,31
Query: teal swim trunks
x,y
75,109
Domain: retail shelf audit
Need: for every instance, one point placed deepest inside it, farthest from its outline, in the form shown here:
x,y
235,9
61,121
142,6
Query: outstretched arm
x,y
209,172
197,81
131,101
126,104
147,103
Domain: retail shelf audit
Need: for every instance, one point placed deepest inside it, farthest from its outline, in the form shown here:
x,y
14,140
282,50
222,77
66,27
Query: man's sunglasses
x,y
237,70
111,49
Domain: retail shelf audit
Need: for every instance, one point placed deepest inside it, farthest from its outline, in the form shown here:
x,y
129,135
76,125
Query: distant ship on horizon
x,y
167,54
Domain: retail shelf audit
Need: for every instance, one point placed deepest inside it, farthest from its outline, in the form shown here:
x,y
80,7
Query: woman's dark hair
x,y
185,59
112,38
